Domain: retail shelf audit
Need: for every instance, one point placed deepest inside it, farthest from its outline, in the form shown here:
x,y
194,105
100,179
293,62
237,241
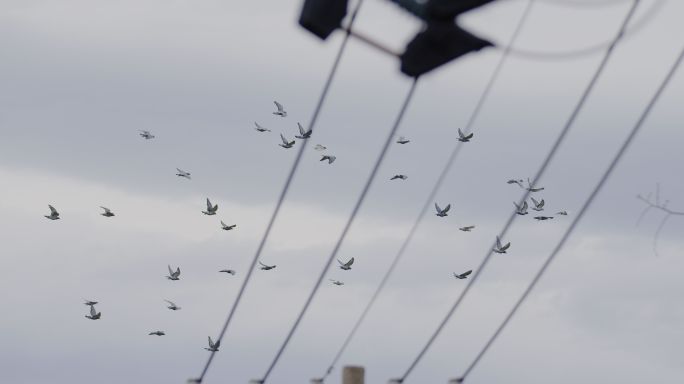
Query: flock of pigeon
x,y
211,210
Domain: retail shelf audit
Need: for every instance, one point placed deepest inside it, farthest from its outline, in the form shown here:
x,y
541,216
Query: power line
x,y
285,189
538,175
428,202
586,51
350,221
583,210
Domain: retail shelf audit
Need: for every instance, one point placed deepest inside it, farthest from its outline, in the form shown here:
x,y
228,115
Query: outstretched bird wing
x,y
279,106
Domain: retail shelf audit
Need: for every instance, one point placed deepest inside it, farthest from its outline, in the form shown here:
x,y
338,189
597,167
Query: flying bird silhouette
x,y
403,140
265,267
320,147
227,227
157,333
173,275
211,209
541,218
330,158
521,209
467,228
286,144
172,306
529,187
514,181
54,215
400,177
538,205
107,212
463,275
228,271
346,266
213,347
442,212
463,137
336,282
260,128
182,173
90,302
562,213
303,134
501,248
146,135
281,111
94,315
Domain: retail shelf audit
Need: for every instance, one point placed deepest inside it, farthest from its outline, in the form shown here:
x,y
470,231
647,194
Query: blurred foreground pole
x,y
353,375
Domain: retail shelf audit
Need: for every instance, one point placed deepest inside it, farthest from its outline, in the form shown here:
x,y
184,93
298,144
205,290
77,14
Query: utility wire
x,y
538,175
285,189
586,51
428,202
583,210
350,221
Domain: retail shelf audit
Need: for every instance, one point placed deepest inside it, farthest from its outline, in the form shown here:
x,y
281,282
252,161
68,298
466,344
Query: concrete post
x,y
353,375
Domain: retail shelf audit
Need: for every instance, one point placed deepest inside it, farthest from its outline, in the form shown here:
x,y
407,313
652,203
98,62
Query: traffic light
x,y
322,17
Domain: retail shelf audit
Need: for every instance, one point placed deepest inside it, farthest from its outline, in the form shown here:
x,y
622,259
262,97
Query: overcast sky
x,y
79,78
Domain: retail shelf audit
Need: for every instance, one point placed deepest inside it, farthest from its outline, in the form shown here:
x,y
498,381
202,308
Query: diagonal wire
x,y
583,210
539,174
285,189
350,221
580,53
428,202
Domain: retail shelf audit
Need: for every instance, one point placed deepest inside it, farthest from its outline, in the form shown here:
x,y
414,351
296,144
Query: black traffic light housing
x,y
438,44
322,17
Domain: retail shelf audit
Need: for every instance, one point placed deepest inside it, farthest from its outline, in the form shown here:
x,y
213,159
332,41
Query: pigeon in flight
x,y
286,144
281,111
562,213
173,275
514,181
172,306
265,267
211,209
107,212
541,218
90,302
157,333
227,227
336,282
403,140
463,275
303,134
442,212
54,215
400,177
529,187
330,158
228,271
146,135
467,228
501,248
521,209
94,315
464,138
260,128
538,205
320,147
346,266
213,347
182,173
